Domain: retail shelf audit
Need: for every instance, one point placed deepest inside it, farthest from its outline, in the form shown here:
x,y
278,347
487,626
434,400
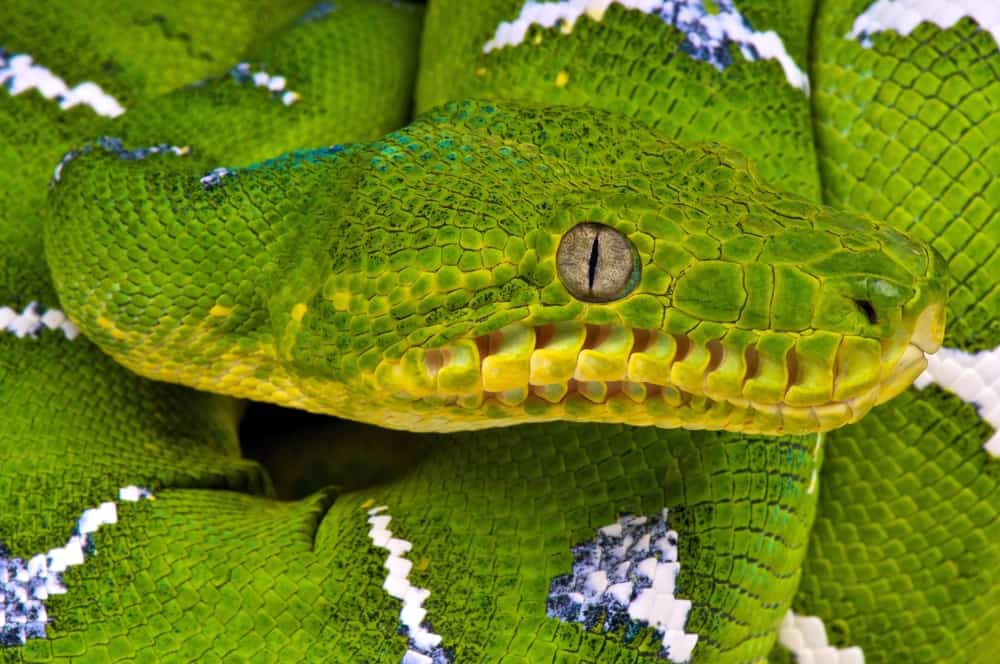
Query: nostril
x,y
865,307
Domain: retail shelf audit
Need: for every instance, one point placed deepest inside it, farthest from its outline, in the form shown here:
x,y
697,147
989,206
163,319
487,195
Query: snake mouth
x,y
748,381
902,363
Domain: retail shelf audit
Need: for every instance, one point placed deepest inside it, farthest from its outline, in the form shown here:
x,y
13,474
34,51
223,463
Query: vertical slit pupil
x,y
592,266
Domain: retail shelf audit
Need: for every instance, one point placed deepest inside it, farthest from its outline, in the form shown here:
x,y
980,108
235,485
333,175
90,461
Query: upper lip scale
x,y
440,358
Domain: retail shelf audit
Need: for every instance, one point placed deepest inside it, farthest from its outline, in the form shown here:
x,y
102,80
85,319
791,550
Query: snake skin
x,y
915,148
895,546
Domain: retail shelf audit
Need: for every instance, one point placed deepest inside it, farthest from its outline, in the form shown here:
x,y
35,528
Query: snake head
x,y
600,272
492,264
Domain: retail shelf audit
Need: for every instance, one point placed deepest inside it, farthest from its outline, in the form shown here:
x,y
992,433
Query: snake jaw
x,y
902,363
928,330
910,365
763,382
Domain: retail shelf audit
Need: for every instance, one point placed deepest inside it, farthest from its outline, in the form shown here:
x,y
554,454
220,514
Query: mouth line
x,y
816,381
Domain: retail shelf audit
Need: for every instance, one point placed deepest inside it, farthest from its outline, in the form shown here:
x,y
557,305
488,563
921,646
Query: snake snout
x,y
904,360
922,327
928,332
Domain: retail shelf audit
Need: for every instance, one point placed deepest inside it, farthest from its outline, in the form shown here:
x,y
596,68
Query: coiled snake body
x,y
597,275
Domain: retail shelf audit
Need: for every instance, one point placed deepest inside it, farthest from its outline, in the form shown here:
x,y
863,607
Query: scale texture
x,y
305,204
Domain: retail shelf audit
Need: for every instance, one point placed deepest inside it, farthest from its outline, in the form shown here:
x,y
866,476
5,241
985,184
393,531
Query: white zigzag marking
x,y
24,586
18,74
903,16
424,645
974,378
261,79
805,637
708,35
628,572
30,321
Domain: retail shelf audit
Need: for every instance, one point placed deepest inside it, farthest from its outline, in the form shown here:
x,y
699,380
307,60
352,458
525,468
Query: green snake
x,y
638,289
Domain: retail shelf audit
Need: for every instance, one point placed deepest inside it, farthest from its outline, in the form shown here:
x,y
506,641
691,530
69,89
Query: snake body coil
x,y
734,221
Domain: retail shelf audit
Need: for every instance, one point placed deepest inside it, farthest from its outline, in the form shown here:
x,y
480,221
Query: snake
x,y
651,330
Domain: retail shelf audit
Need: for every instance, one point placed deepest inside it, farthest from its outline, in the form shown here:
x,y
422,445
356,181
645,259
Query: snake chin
x,y
903,367
754,382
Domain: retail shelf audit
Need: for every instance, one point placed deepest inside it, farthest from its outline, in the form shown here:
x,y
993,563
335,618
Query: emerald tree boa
x,y
604,269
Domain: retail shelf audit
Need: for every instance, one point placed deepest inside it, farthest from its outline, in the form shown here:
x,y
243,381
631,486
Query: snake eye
x,y
597,263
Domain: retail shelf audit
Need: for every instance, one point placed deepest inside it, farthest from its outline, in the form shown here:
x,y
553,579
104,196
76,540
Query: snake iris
x,y
580,247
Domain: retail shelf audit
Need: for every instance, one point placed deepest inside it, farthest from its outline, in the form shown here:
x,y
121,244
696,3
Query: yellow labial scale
x,y
857,367
766,416
832,415
862,403
556,362
717,416
634,391
608,361
771,381
727,379
741,414
892,351
798,419
218,310
536,407
409,375
386,375
702,412
696,411
816,358
652,365
593,390
928,329
417,380
621,406
460,374
912,363
454,397
689,373
471,401
659,409
577,406
553,393
436,401
515,396
299,312
671,396
509,365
